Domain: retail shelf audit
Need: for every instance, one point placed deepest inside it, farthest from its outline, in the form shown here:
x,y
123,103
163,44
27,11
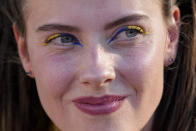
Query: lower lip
x,y
99,109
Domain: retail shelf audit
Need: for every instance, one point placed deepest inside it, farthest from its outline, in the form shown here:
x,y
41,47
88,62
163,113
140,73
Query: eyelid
x,y
119,31
56,35
140,29
51,38
137,28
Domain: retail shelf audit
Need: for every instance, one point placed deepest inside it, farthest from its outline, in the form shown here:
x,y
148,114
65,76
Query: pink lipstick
x,y
99,105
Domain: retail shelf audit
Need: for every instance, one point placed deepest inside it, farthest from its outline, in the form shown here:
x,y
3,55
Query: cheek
x,y
142,68
53,76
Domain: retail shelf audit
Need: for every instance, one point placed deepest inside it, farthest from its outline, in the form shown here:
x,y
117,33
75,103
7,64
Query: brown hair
x,y
20,106
177,109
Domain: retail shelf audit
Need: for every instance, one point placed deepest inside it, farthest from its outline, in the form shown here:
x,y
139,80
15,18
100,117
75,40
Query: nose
x,y
98,69
97,78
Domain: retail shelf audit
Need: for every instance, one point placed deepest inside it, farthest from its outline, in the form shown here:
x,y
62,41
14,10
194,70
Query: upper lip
x,y
99,100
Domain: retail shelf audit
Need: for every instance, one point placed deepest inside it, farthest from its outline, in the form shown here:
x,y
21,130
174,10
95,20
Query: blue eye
x,y
131,32
63,39
127,33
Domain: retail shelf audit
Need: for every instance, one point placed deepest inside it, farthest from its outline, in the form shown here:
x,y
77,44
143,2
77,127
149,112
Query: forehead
x,y
99,5
76,11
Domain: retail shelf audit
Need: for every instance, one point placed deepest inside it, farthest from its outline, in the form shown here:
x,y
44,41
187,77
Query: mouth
x,y
99,105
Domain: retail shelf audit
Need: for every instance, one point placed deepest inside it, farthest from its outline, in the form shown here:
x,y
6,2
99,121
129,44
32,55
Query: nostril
x,y
97,78
86,83
108,81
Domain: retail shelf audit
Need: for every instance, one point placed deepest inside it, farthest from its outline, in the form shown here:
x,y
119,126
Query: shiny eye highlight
x,y
62,39
127,33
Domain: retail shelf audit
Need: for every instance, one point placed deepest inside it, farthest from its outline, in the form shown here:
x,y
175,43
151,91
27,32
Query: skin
x,y
131,68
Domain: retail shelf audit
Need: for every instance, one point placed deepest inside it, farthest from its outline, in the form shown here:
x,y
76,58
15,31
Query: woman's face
x,y
93,49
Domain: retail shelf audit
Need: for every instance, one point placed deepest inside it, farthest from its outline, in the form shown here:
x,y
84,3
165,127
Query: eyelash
x,y
61,35
138,29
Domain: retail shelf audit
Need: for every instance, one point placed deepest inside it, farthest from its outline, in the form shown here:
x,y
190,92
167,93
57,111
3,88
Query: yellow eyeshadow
x,y
138,28
44,44
50,38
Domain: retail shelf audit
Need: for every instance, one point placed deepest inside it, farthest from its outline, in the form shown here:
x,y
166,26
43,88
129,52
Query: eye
x,y
127,33
131,32
62,39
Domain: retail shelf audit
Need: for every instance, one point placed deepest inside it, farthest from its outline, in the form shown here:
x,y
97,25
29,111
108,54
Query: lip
x,y
99,105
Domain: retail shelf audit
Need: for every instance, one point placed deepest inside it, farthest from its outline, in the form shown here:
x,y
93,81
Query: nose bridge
x,y
99,56
97,70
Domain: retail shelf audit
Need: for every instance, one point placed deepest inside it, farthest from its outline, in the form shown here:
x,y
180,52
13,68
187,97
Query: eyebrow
x,y
69,28
59,27
129,18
